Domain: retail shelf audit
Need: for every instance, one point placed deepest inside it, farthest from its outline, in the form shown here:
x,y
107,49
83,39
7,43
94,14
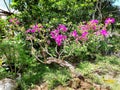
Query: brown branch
x,y
93,15
65,64
99,9
33,52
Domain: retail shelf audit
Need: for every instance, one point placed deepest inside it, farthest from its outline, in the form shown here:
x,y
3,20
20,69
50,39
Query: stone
x,y
75,83
8,84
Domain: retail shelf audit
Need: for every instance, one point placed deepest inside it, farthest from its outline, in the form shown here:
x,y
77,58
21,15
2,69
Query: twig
x,y
93,16
69,53
46,50
34,53
56,50
99,9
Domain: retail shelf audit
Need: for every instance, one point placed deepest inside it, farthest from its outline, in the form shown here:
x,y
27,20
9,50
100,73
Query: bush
x,y
22,49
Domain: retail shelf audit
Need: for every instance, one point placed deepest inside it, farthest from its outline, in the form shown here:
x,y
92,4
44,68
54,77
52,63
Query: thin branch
x,y
60,54
56,50
34,53
46,50
62,51
69,53
105,5
99,10
38,59
93,16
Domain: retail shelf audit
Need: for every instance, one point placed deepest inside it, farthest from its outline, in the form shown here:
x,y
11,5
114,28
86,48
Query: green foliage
x,y
39,73
53,12
2,28
12,49
14,53
56,77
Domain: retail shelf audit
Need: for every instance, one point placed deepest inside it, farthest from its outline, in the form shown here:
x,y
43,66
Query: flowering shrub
x,y
82,41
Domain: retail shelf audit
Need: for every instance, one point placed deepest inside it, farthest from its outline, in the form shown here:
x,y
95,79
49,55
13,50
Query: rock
x,y
75,83
63,88
44,86
86,85
8,84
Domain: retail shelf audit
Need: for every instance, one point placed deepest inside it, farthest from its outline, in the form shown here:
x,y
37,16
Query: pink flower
x,y
97,33
74,33
104,32
94,22
62,27
31,31
14,20
54,33
84,28
35,28
59,39
109,20
11,20
28,31
84,36
94,27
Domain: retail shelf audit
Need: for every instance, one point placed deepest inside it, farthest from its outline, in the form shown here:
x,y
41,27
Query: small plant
x,y
12,49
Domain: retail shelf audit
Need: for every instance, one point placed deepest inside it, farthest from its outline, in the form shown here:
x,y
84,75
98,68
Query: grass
x,y
53,75
105,71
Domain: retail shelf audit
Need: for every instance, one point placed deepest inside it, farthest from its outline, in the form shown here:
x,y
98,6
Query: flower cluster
x,y
92,27
85,29
104,32
82,37
35,28
62,28
109,21
14,21
57,36
74,34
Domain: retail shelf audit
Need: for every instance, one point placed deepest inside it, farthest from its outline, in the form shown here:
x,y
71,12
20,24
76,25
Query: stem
x,y
56,50
99,9
47,52
35,55
69,53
